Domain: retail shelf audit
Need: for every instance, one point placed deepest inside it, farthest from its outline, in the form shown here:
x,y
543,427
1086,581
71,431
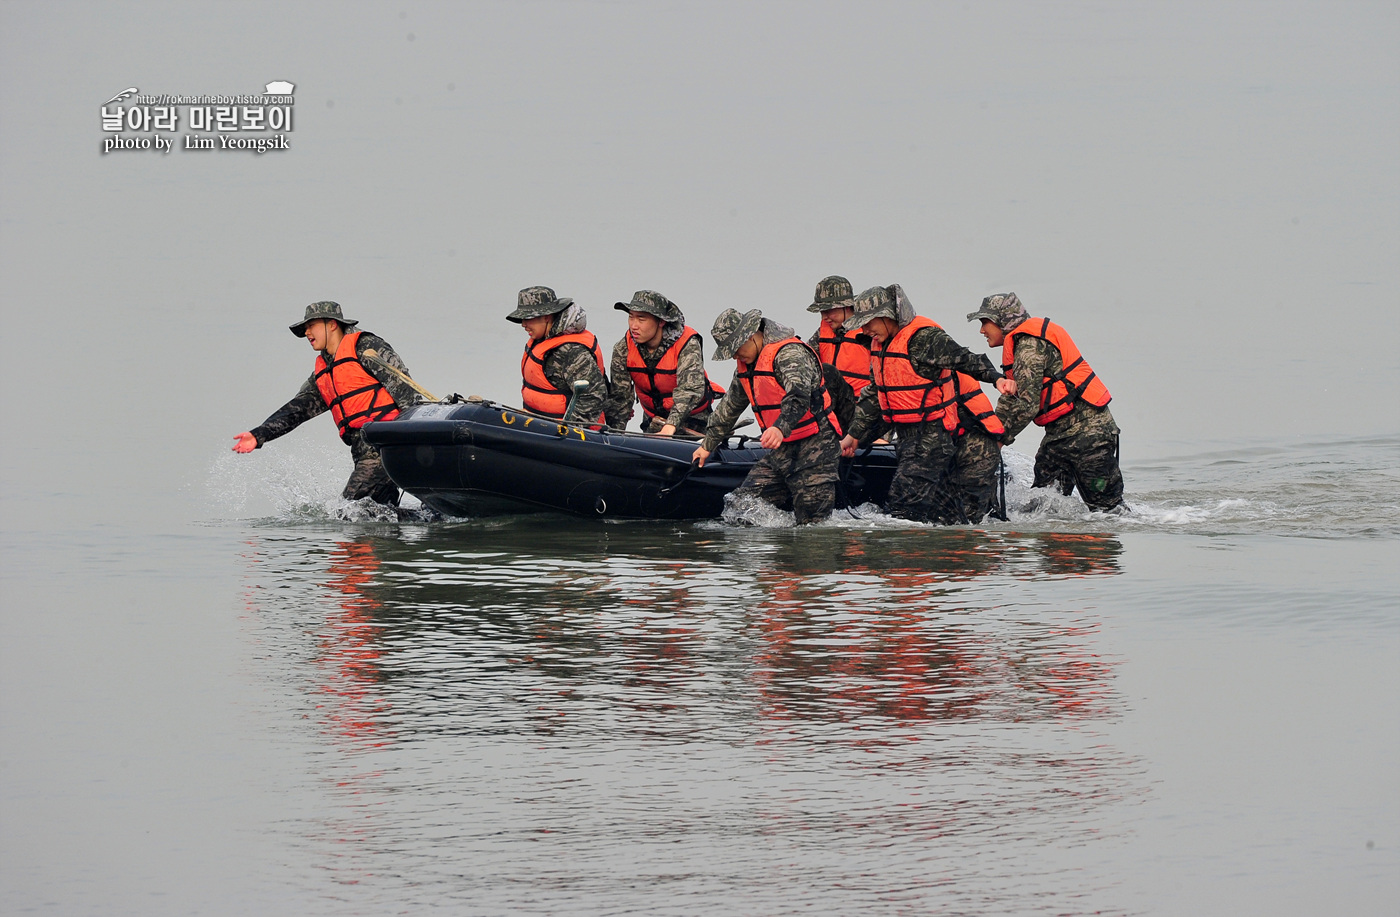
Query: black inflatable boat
x,y
479,458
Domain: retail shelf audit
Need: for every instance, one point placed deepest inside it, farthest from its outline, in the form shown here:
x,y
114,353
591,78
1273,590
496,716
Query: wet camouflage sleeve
x,y
569,363
815,340
726,414
690,383
402,393
619,407
1035,359
931,351
305,404
800,375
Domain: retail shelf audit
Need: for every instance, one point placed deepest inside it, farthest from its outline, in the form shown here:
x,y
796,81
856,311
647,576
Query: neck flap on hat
x,y
903,308
570,321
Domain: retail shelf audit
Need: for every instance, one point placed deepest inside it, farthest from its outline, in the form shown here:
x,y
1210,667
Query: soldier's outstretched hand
x,y
245,442
1006,385
699,455
772,438
848,446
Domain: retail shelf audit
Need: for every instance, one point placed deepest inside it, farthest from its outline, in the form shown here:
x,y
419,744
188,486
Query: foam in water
x,y
297,485
1318,489
746,509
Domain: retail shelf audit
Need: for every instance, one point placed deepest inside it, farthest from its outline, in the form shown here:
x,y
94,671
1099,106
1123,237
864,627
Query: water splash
x,y
1342,488
745,509
297,486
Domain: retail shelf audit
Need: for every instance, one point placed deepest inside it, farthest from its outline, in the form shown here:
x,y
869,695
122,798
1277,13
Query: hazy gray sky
x,y
1205,195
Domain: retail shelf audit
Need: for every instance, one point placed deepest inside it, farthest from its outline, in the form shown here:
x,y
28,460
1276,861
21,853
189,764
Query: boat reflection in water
x,y
639,681
832,624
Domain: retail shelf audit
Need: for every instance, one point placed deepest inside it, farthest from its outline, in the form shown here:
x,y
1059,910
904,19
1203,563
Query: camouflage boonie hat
x,y
731,330
833,292
653,303
876,302
1002,309
536,301
324,309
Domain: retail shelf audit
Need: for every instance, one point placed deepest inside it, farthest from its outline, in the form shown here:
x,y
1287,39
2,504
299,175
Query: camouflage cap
x,y
732,329
833,292
876,302
1002,309
536,301
323,309
653,303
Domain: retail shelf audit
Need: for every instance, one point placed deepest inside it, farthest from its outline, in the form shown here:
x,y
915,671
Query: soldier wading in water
x,y
912,399
779,376
354,379
1057,388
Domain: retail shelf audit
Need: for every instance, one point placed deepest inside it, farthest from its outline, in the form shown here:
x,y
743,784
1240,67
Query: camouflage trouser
x,y
924,454
1082,453
800,476
972,481
369,479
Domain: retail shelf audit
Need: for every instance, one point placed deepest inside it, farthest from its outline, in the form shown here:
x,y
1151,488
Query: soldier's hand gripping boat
x,y
475,457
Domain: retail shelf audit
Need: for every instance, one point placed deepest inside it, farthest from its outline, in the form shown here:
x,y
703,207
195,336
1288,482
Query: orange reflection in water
x,y
349,655
892,632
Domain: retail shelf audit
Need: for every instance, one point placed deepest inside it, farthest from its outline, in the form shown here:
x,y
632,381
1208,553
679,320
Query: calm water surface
x,y
1190,710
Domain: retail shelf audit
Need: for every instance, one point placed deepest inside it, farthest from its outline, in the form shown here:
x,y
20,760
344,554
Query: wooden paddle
x,y
374,356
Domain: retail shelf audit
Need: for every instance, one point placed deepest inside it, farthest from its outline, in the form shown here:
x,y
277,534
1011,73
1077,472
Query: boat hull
x,y
479,458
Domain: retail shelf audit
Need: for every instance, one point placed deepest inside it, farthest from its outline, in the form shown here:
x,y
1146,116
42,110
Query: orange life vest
x,y
760,383
967,393
848,352
353,395
537,393
1075,381
656,385
906,396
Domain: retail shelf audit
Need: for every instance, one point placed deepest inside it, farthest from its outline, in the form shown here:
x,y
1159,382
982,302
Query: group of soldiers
x,y
873,371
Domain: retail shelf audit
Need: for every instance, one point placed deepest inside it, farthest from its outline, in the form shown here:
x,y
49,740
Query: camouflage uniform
x,y
1080,449
972,479
843,397
368,479
800,475
835,292
567,363
690,384
924,452
571,362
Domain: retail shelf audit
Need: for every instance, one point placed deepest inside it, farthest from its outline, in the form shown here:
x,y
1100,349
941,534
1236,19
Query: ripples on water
x,y
538,714
667,719
1331,489
1338,488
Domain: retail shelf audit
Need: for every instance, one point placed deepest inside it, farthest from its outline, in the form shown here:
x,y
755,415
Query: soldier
x,y
846,352
972,478
662,360
560,352
780,377
358,378
912,360
1061,393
